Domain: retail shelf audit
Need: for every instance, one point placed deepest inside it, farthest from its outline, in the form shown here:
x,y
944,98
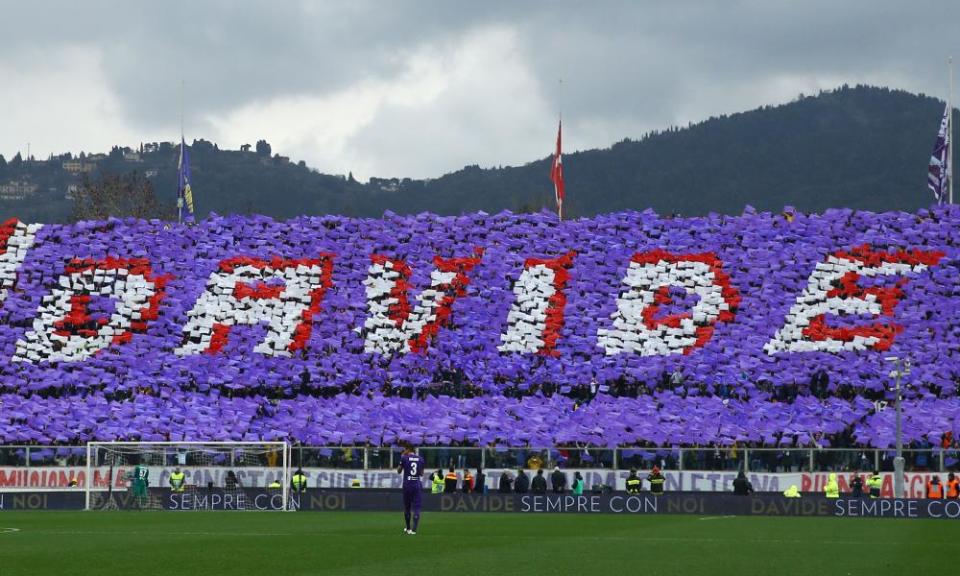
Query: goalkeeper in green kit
x,y
140,479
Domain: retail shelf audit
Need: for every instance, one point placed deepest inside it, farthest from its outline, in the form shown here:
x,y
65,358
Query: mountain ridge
x,y
858,147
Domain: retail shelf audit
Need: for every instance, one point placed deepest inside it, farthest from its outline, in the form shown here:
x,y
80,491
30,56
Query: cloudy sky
x,y
417,88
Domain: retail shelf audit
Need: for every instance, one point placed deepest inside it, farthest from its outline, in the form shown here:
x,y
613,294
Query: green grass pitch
x,y
451,544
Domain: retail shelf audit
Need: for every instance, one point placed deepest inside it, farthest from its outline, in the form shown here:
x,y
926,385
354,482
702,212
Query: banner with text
x,y
41,478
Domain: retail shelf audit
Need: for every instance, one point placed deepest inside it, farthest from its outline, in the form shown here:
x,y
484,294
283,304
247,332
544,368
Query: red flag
x,y
556,172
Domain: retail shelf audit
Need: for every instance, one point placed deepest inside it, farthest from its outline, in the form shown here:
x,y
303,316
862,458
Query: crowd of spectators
x,y
344,385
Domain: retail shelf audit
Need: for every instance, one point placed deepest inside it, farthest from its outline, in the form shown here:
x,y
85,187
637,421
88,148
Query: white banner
x,y
56,477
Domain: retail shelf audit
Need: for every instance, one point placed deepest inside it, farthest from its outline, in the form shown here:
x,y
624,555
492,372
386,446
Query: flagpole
x,y
179,176
950,129
180,163
560,124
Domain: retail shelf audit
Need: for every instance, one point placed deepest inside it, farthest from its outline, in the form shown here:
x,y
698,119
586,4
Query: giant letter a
x,y
283,294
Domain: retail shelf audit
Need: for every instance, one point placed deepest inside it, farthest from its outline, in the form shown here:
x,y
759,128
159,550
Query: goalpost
x,y
206,476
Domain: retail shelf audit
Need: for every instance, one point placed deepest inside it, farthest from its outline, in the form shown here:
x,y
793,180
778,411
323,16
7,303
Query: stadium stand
x,y
627,329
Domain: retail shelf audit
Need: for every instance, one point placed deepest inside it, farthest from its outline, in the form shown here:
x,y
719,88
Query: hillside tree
x,y
120,196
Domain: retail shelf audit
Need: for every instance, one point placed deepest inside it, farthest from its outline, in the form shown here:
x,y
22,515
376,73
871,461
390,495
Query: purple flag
x,y
184,180
940,173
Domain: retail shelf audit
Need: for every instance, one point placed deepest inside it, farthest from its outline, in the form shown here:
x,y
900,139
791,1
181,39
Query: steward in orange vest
x,y
934,488
450,481
953,487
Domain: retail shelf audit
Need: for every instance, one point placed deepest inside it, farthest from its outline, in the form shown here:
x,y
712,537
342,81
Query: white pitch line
x,y
154,533
696,540
715,517
8,530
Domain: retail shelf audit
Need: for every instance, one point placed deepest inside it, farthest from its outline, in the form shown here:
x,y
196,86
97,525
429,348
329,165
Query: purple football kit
x,y
411,466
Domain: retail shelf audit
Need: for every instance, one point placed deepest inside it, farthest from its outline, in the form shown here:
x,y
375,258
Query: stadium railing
x,y
459,457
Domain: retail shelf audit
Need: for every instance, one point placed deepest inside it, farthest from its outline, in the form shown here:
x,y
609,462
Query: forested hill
x,y
862,147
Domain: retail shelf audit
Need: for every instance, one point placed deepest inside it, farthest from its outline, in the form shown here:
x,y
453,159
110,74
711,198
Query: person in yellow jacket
x,y
832,487
634,483
299,481
792,492
436,483
874,484
176,480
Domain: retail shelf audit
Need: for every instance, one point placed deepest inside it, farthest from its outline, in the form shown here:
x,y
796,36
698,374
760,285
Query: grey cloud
x,y
627,66
228,53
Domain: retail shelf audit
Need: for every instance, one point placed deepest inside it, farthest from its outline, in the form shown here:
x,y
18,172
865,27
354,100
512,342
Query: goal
x,y
252,476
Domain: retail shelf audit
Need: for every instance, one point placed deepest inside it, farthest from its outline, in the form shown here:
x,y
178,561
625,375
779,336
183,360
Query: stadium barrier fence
x,y
667,458
104,480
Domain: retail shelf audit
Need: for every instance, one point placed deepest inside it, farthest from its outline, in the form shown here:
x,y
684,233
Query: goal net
x,y
188,476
